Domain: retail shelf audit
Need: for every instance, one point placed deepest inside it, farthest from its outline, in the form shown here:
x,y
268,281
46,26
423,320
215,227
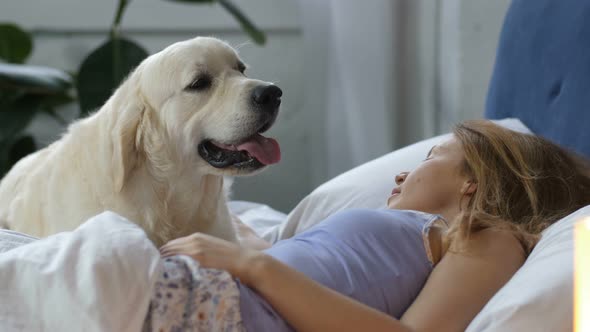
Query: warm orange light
x,y
582,276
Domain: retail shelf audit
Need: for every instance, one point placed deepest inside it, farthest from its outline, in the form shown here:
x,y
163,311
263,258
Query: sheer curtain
x,y
350,94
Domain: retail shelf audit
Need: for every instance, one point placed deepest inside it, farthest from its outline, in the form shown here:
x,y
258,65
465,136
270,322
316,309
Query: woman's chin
x,y
392,202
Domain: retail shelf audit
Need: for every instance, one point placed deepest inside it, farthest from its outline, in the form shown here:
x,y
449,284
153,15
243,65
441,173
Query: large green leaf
x,y
5,163
7,97
258,36
34,79
14,149
15,43
104,69
14,119
23,146
57,100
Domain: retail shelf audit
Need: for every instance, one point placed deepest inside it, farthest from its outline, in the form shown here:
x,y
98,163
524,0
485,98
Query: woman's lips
x,y
396,191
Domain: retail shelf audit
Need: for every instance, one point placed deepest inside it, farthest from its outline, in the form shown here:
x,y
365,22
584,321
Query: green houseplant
x,y
28,90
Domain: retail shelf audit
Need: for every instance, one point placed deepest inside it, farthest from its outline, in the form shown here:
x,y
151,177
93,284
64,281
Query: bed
x,y
540,84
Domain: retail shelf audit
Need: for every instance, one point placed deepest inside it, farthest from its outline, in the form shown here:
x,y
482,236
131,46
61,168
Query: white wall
x,y
468,37
416,84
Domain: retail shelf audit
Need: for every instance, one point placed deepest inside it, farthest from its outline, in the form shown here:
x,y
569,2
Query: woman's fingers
x,y
194,245
212,252
208,250
165,252
181,241
174,248
168,252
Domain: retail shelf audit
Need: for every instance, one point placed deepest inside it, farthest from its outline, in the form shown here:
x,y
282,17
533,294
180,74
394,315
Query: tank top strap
x,y
434,220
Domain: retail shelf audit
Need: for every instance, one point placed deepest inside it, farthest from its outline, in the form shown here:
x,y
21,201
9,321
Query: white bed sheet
x,y
97,278
262,218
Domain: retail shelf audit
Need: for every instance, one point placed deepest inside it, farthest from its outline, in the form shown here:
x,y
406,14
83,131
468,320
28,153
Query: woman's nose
x,y
400,178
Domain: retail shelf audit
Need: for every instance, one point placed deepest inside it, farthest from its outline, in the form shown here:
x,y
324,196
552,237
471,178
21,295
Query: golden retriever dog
x,y
156,152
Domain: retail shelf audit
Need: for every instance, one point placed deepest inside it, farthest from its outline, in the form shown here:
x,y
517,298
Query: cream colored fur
x,y
137,155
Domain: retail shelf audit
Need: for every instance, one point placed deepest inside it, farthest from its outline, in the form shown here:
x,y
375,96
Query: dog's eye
x,y
200,83
241,67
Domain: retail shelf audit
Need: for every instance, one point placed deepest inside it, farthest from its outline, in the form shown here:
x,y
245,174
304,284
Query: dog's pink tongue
x,y
266,150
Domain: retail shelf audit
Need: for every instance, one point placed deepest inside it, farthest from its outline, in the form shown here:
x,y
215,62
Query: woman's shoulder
x,y
467,277
493,243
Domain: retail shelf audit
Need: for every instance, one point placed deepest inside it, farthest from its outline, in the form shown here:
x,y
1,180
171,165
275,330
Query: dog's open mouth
x,y
254,152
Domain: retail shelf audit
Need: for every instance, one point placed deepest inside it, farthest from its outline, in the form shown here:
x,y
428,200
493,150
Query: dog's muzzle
x,y
255,151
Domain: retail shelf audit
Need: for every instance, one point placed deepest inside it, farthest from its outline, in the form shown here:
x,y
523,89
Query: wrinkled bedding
x,y
189,297
98,277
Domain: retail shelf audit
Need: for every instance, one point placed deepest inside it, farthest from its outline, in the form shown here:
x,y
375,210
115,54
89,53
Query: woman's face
x,y
436,186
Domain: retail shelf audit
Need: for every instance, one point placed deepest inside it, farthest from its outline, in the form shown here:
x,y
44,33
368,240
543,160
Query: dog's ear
x,y
129,109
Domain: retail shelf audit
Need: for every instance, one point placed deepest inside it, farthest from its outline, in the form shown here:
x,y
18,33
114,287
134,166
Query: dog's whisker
x,y
246,43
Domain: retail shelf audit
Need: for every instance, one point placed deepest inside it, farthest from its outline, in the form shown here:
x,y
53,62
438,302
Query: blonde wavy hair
x,y
524,183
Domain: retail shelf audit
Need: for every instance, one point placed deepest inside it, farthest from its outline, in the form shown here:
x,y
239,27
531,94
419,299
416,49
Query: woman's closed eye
x,y
429,155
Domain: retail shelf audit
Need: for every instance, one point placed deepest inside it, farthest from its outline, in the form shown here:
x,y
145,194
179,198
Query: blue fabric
x,y
374,256
542,70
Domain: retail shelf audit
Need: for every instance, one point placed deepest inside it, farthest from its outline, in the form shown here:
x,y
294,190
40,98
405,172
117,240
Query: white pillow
x,y
539,297
366,186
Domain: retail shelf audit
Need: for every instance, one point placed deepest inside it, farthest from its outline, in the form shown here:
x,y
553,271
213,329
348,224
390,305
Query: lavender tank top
x,y
376,257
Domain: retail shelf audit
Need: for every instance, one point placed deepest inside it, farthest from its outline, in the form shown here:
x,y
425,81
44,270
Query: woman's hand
x,y
212,252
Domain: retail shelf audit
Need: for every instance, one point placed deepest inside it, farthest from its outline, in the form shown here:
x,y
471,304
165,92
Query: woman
x,y
481,199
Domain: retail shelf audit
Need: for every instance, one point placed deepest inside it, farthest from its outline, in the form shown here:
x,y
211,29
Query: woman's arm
x,y
463,282
303,303
309,306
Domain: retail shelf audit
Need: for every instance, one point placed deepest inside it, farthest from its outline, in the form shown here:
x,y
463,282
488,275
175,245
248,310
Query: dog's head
x,y
198,104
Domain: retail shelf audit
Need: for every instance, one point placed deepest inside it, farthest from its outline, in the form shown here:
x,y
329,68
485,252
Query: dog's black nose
x,y
267,96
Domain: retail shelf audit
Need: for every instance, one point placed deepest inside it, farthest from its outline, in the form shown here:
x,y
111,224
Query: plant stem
x,y
118,17
115,37
257,35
